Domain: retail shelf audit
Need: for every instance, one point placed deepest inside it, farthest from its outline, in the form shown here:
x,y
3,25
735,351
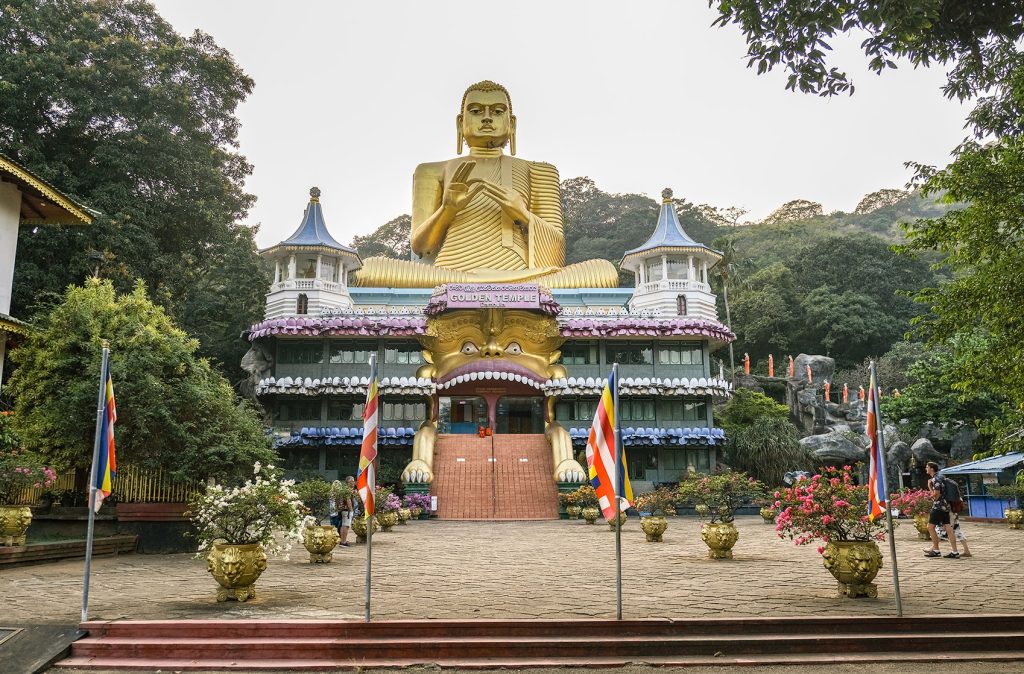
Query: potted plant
x,y
415,504
20,471
720,495
915,504
388,505
236,528
569,502
318,538
586,499
653,506
1012,492
830,508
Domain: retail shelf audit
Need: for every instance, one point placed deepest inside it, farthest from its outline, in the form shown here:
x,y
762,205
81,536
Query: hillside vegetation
x,y
799,281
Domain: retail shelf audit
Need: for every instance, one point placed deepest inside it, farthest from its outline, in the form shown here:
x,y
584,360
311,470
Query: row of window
x,y
312,353
634,409
624,353
307,410
634,353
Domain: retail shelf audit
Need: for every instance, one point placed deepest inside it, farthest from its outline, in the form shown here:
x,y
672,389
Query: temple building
x,y
26,200
490,374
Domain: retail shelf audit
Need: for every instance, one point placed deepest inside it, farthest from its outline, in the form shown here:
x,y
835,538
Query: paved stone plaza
x,y
550,569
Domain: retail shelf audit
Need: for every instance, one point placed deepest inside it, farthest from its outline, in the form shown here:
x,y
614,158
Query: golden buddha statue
x,y
492,218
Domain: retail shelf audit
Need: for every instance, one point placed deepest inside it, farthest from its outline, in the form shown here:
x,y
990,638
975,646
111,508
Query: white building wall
x,y
10,216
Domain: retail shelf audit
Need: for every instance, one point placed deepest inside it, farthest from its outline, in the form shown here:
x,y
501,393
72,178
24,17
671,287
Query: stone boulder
x,y
898,455
833,449
923,451
822,368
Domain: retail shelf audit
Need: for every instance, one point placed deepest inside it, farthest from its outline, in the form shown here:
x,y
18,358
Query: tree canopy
x,y
173,411
982,304
107,101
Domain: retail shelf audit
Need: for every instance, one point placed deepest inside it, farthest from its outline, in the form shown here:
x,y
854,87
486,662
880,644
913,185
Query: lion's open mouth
x,y
494,369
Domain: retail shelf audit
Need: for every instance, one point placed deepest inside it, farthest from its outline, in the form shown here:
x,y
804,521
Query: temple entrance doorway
x,y
461,415
518,415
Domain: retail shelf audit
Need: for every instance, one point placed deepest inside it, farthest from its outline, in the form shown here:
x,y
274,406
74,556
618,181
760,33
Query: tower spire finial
x,y
314,194
666,195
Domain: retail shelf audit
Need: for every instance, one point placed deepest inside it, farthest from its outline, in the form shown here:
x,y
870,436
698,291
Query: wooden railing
x,y
131,485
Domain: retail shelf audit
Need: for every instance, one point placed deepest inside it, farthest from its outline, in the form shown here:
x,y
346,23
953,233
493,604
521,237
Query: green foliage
x,y
316,496
174,411
722,493
932,395
21,469
107,101
767,450
1008,492
389,240
747,408
661,501
892,368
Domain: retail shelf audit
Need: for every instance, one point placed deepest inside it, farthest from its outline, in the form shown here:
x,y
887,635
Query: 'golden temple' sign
x,y
493,296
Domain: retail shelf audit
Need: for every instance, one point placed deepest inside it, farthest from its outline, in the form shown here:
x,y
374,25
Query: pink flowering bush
x,y
912,502
386,501
826,507
20,470
421,501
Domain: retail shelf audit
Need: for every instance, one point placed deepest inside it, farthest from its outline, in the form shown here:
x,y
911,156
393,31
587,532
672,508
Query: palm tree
x,y
728,269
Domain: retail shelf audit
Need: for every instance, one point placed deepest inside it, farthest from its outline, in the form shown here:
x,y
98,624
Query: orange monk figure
x,y
810,379
860,393
771,366
828,391
846,394
746,364
792,368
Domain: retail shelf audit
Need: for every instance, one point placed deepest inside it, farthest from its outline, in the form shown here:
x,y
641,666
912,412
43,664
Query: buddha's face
x,y
485,119
498,344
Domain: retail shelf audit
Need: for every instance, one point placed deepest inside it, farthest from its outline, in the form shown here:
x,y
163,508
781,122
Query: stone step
x,y
500,477
975,622
426,649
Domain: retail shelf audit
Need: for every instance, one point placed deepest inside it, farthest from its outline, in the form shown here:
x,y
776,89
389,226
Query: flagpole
x,y
373,487
92,479
880,439
619,489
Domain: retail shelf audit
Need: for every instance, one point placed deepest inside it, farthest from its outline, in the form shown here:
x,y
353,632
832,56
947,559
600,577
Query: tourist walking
x,y
346,508
961,537
939,516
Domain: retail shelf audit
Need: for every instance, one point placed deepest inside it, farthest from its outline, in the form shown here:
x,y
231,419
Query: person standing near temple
x,y
940,513
346,508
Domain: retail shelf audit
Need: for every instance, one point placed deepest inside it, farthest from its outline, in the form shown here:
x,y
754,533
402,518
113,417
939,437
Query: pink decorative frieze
x,y
341,325
627,326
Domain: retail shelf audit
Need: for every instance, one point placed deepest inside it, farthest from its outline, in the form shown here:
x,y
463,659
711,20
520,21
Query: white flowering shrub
x,y
254,512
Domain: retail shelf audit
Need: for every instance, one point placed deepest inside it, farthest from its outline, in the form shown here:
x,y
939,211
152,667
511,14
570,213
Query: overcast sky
x,y
350,96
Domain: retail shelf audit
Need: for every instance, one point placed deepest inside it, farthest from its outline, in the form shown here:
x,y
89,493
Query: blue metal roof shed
x,y
993,464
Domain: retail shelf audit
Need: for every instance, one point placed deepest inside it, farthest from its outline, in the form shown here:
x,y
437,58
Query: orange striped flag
x,y
611,485
366,481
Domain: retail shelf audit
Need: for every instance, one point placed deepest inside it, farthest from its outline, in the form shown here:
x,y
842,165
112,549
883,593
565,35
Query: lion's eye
x,y
469,348
514,348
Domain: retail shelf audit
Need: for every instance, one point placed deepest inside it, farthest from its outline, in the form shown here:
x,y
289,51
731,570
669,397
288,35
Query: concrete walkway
x,y
552,569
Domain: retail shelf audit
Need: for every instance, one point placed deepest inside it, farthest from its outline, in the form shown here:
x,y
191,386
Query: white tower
x,y
671,269
310,268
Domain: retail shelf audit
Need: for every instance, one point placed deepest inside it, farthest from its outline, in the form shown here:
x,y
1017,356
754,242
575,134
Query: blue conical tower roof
x,y
668,237
313,230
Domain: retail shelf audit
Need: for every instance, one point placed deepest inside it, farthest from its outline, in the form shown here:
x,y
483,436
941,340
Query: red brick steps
x,y
256,645
516,485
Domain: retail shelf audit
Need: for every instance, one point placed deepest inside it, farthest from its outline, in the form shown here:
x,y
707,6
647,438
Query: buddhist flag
x,y
106,460
607,475
366,481
876,466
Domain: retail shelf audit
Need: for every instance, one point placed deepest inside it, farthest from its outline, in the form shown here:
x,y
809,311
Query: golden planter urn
x,y
359,527
573,512
387,520
653,527
590,514
921,524
622,518
854,564
404,515
320,541
768,514
720,538
1015,516
14,522
415,511
236,568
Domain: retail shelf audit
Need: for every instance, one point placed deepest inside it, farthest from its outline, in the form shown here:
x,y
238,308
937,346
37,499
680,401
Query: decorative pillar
x,y
643,272
691,271
319,259
291,267
277,270
704,267
664,267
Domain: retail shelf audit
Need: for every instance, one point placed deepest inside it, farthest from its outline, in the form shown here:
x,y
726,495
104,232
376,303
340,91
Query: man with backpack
x,y
945,492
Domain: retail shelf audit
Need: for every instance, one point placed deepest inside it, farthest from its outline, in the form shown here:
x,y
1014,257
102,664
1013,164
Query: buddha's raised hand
x,y
459,191
508,199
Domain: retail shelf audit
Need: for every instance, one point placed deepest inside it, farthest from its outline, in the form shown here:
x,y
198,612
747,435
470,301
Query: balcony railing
x,y
674,284
306,284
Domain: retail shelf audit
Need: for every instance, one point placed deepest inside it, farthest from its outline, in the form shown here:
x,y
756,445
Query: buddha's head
x,y
502,344
485,119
